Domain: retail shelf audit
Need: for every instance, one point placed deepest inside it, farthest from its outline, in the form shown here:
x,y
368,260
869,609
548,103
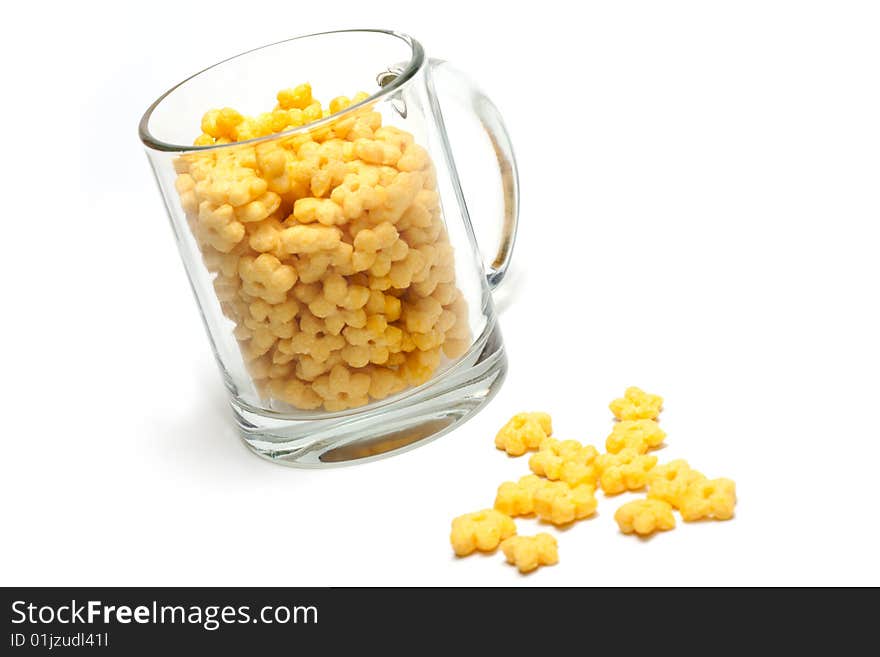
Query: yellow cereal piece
x,y
636,404
561,504
518,498
218,227
523,432
324,211
221,123
565,460
483,530
299,97
645,517
259,208
265,277
640,435
342,388
670,481
328,247
529,552
708,498
626,470
309,240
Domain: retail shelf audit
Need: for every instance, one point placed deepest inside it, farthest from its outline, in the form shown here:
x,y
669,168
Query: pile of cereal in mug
x,y
328,249
562,488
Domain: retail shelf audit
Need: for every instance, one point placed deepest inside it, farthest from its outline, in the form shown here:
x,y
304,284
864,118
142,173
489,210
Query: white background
x,y
700,208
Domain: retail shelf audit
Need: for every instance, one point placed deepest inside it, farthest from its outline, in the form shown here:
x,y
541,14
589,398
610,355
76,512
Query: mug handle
x,y
457,85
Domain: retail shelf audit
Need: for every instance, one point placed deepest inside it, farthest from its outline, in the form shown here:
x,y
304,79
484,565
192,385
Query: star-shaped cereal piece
x,y
483,530
322,210
523,432
218,226
640,435
266,278
636,404
561,504
709,498
645,517
626,470
670,481
565,460
518,498
529,552
342,388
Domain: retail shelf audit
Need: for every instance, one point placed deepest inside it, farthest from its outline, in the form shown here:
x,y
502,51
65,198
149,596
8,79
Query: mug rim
x,y
417,59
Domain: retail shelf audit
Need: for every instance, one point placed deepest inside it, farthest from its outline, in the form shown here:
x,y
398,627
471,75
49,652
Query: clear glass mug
x,y
334,262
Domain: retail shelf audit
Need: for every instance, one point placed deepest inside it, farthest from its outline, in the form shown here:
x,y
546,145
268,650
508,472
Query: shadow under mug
x,y
334,262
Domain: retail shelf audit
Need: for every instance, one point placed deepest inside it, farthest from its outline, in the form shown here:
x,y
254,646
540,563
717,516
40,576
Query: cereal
x,y
626,470
636,404
518,498
562,488
640,435
565,460
529,552
669,482
559,503
645,517
523,432
298,98
219,227
708,498
483,530
340,389
337,236
324,211
553,501
265,277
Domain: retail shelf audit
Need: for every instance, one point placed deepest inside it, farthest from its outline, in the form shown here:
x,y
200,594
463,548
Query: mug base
x,y
387,429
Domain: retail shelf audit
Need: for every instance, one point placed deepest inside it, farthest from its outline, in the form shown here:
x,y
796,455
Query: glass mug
x,y
334,262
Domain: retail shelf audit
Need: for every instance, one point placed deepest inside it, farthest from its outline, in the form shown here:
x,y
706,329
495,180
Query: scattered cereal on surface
x,y
669,482
524,432
561,504
566,472
626,470
483,531
708,498
636,404
530,552
565,460
518,498
644,517
640,435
